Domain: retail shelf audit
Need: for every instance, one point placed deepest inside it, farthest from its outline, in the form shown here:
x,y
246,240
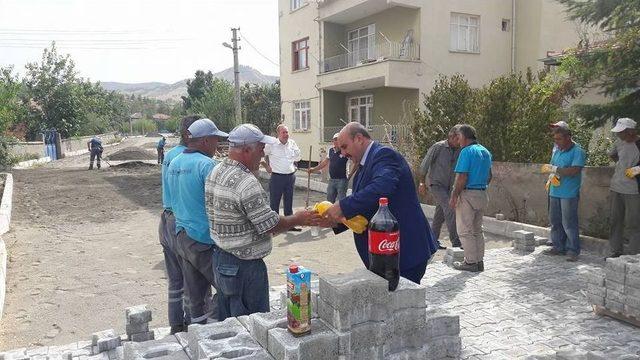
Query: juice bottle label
x,y
299,301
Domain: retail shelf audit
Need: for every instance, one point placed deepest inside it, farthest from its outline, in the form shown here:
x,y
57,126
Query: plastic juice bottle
x,y
357,224
298,300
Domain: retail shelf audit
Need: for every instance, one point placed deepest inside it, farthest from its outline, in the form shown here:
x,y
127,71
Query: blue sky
x,y
140,40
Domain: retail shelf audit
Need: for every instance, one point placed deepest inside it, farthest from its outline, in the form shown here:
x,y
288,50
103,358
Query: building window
x,y
465,33
361,43
506,25
300,54
302,115
361,109
297,4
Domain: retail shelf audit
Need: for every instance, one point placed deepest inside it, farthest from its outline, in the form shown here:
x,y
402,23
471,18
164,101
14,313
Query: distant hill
x,y
162,91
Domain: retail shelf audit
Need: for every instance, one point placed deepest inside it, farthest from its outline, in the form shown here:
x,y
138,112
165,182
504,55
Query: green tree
x,y
197,88
12,109
261,105
217,104
612,65
451,101
52,86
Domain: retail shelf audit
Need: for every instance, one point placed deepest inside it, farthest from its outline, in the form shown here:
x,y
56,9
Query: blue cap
x,y
245,134
204,127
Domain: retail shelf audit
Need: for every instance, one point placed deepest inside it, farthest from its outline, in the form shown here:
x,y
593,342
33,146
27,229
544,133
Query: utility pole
x,y
236,73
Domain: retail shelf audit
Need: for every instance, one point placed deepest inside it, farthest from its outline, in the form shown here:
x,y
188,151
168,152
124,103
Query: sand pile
x,y
133,165
132,153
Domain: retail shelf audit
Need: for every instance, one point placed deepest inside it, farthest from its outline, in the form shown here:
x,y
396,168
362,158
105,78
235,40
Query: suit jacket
x,y
387,174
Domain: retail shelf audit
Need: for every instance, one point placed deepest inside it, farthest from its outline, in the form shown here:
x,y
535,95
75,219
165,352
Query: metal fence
x,y
381,50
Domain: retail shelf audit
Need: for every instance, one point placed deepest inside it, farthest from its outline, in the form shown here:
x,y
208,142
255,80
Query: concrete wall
x,y
393,23
517,191
27,148
68,145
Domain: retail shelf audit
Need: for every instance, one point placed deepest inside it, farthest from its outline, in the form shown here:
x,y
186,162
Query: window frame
x,y
295,66
368,106
303,115
455,22
300,3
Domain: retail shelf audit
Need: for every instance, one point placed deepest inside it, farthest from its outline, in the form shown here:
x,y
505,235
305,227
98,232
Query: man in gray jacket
x,y
436,173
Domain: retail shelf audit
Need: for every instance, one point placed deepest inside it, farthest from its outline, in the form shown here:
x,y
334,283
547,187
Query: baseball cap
x,y
245,134
622,124
335,136
559,124
204,127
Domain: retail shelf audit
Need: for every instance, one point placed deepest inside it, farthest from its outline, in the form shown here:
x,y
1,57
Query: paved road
x,y
527,305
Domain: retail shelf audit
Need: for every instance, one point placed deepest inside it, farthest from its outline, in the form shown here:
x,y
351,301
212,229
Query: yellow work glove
x,y
632,172
357,224
553,180
548,168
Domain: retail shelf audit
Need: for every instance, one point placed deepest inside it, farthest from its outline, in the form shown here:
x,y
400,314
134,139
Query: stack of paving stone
x,y
137,323
523,242
452,255
618,288
104,341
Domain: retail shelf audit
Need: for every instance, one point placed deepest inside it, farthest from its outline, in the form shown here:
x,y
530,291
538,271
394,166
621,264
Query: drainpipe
x,y
513,36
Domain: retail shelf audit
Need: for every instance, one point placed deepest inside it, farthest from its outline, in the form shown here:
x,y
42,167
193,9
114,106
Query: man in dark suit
x,y
383,172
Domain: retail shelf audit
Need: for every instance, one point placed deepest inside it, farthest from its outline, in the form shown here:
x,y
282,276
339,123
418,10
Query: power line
x,y
258,51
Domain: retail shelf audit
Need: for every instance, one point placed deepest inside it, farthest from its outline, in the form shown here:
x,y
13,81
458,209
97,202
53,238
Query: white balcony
x,y
347,11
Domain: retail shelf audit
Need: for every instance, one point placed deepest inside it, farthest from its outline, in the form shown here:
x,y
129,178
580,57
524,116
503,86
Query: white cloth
x,y
282,156
366,153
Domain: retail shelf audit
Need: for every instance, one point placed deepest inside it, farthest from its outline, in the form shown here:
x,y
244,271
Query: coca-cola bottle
x,y
384,244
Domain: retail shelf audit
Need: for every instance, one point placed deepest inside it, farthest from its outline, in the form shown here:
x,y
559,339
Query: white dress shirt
x,y
282,156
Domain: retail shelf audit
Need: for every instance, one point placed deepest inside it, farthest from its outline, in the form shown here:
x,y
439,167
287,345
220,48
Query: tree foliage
x,y
612,65
217,104
261,105
12,108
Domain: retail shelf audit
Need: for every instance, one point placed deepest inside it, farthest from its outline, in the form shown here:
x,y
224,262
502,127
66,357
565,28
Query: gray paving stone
x,y
225,329
408,295
615,296
345,292
259,325
343,320
142,337
541,240
106,344
116,354
104,334
239,345
167,348
321,343
364,341
138,314
439,324
614,285
594,278
523,235
137,328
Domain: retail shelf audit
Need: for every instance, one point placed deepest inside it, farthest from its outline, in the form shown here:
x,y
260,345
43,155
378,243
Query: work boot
x,y
572,258
464,266
178,328
481,266
553,252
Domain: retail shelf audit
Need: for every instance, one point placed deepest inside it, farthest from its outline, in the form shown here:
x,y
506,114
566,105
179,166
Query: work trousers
x,y
444,214
469,212
178,299
625,215
196,258
337,189
563,217
95,154
281,186
160,155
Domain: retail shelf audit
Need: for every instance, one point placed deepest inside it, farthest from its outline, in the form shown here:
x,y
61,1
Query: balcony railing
x,y
382,133
382,50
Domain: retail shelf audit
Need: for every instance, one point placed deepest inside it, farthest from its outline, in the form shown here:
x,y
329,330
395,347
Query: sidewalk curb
x,y
29,163
5,220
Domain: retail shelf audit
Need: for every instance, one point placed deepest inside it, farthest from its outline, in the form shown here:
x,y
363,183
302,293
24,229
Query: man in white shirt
x,y
280,163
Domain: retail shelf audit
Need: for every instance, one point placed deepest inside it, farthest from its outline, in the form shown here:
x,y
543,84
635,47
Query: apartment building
x,y
371,60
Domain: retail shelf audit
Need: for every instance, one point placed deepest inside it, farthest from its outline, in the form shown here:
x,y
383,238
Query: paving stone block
x,y
594,299
116,354
100,356
343,320
615,265
500,217
41,350
215,331
246,321
242,344
523,235
614,285
455,252
137,328
447,259
104,334
405,329
261,323
632,291
408,295
444,347
321,343
345,292
106,344
615,296
613,305
616,276
632,301
142,337
595,278
596,290
138,314
633,275
439,324
364,341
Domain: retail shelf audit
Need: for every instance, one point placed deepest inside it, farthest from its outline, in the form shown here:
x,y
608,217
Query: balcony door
x,y
361,109
361,44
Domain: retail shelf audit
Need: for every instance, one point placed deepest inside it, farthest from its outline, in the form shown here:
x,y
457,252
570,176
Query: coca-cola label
x,y
384,243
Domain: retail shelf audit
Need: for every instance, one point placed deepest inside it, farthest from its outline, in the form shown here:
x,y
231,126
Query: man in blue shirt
x,y
338,181
566,164
160,148
187,174
95,151
469,197
178,299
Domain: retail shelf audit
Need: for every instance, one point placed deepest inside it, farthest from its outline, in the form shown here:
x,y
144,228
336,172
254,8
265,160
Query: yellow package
x,y
357,224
